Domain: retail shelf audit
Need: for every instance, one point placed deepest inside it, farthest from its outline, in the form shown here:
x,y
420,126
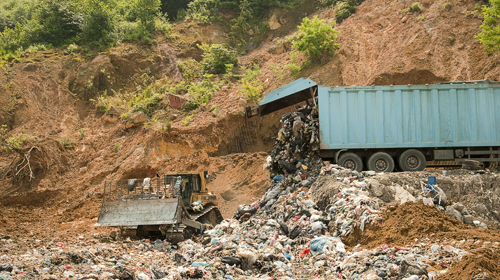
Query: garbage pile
x,y
284,235
230,251
296,149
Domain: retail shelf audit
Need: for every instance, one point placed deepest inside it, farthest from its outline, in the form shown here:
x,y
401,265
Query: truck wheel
x,y
412,160
351,161
381,162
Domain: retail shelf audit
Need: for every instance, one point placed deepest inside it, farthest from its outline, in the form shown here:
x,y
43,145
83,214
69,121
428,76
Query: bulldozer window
x,y
196,183
186,193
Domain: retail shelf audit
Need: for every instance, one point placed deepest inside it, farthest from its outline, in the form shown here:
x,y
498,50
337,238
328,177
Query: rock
x,y
459,207
274,22
30,67
467,219
109,119
454,213
114,111
480,208
136,119
176,101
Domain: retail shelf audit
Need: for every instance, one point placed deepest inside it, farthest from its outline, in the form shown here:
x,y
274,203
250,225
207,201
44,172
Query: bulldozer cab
x,y
190,184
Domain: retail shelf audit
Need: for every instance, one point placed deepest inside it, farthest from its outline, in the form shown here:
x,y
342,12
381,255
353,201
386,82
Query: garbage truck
x,y
381,128
173,206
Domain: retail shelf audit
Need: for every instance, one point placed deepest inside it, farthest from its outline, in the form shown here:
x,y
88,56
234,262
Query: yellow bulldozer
x,y
173,206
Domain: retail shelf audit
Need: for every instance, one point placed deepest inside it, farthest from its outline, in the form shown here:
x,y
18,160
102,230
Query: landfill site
x,y
315,220
377,162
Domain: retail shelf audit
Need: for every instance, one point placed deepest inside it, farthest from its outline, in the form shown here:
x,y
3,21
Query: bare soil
x,y
413,223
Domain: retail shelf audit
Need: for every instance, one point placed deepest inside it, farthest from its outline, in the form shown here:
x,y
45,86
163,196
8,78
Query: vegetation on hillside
x,y
490,35
89,23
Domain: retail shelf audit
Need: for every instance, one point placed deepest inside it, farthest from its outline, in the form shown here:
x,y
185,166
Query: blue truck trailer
x,y
381,128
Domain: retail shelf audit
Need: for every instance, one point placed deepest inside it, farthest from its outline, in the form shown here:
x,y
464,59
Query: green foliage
x,y
99,23
13,12
146,100
240,27
315,38
490,35
186,121
147,13
251,85
37,48
190,69
124,116
295,67
203,10
67,143
3,131
202,92
56,23
16,141
415,8
116,147
81,134
216,57
328,2
175,9
344,10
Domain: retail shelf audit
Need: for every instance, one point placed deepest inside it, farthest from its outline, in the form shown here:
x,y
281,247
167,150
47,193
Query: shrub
x,y
216,57
99,23
147,13
415,8
67,143
16,141
190,69
57,23
315,38
203,10
81,134
186,121
490,35
73,48
344,10
3,131
251,85
13,12
201,92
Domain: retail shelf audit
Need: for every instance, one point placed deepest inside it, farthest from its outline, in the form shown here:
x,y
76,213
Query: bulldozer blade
x,y
139,212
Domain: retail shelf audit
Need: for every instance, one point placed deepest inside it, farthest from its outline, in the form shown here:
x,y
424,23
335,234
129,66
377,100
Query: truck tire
x,y
381,162
351,161
412,160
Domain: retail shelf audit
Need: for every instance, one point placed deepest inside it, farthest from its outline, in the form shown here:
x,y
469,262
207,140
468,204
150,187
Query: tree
x,y
57,23
216,58
147,13
490,37
315,38
99,22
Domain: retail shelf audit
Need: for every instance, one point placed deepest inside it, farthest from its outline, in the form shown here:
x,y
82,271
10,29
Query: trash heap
x,y
284,235
296,149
